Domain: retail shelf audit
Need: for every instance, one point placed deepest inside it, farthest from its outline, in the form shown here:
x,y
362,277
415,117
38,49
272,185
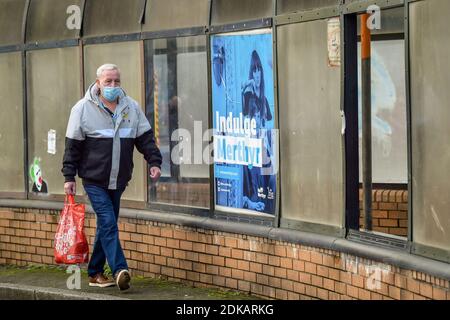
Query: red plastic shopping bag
x,y
71,246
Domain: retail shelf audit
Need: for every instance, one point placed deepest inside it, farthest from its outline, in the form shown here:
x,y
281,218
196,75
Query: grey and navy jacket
x,y
99,148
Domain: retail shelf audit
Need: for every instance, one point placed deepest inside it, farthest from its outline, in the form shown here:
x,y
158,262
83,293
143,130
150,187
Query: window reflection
x,y
177,105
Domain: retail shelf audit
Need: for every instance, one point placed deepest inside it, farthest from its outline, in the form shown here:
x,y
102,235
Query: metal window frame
x,y
47,45
241,26
276,117
300,225
360,6
25,124
208,31
112,38
349,100
212,202
174,33
13,195
409,123
415,248
12,48
219,213
51,44
350,12
24,194
151,192
313,227
175,169
308,15
312,9
25,102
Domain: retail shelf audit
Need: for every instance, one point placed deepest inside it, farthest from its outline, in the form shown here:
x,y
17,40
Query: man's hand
x,y
70,188
155,173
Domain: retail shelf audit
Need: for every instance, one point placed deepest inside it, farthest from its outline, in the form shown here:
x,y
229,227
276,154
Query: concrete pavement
x,y
50,282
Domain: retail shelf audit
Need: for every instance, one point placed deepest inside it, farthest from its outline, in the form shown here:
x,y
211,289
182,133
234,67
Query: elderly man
x,y
101,134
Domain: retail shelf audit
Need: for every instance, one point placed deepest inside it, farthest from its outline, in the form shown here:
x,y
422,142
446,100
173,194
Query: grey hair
x,y
105,67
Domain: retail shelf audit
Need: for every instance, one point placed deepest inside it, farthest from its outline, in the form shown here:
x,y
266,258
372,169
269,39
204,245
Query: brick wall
x,y
208,258
390,211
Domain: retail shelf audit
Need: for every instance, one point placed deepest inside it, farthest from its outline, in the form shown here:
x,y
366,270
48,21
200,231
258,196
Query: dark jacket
x,y
101,150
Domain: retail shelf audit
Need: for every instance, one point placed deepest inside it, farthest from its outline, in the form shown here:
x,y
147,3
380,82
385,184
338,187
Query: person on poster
x,y
259,188
253,90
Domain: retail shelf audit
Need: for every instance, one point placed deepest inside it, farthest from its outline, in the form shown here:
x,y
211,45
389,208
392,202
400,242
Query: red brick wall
x,y
390,211
207,258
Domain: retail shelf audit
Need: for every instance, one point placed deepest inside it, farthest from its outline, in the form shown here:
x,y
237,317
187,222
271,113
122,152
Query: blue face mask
x,y
111,93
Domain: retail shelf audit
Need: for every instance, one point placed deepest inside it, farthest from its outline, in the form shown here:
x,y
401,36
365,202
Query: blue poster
x,y
243,121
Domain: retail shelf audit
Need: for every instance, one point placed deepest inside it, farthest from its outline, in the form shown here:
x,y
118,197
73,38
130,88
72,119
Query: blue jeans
x,y
106,204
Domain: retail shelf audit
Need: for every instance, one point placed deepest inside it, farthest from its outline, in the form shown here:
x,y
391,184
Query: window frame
x,y
296,18
415,248
242,217
21,194
350,14
151,194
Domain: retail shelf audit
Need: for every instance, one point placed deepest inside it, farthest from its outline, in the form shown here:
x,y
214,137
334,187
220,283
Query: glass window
x,y
286,6
53,83
177,104
389,145
53,20
11,19
389,135
175,14
310,126
127,56
226,11
11,123
430,114
389,165
112,17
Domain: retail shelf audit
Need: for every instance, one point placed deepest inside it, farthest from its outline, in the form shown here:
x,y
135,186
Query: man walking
x,y
101,134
